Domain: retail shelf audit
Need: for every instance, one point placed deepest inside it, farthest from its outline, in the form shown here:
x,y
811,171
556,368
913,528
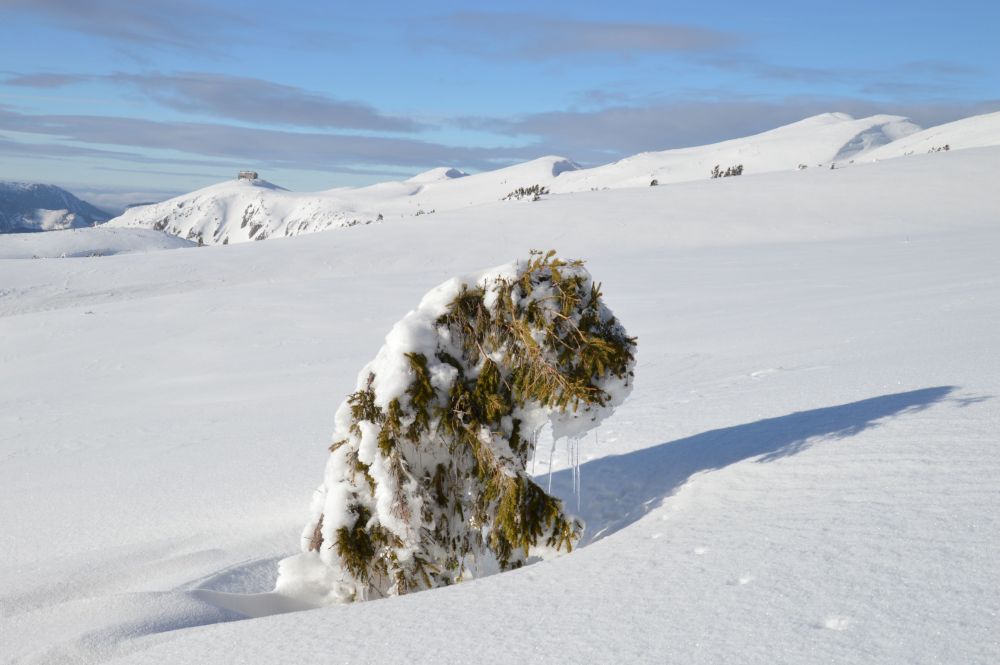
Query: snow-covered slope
x,y
806,471
33,207
439,174
976,132
237,211
97,241
429,192
815,141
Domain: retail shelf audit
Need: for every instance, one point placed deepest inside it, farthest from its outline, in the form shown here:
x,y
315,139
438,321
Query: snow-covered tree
x,y
426,483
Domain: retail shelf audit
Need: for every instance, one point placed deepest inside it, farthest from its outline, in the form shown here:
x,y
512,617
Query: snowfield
x,y
975,132
93,242
806,471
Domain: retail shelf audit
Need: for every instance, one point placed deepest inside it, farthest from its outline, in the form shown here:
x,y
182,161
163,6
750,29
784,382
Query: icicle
x,y
569,459
534,447
576,471
579,479
552,452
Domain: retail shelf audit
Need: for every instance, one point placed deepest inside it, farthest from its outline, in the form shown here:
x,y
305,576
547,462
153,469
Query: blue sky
x,y
146,98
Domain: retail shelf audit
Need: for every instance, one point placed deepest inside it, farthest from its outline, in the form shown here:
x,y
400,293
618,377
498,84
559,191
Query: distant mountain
x,y
819,140
238,211
34,207
242,210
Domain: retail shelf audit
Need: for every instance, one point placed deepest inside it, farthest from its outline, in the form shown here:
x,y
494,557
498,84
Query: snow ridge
x,y
979,131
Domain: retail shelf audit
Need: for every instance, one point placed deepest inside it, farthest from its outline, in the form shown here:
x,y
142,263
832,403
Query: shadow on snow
x,y
620,489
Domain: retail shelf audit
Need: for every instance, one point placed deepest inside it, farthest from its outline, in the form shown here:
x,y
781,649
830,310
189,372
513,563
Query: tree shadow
x,y
619,489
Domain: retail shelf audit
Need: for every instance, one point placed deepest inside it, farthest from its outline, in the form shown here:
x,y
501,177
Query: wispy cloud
x,y
897,89
18,148
305,150
115,200
929,75
62,151
750,65
172,23
259,101
590,136
530,36
239,98
939,68
42,80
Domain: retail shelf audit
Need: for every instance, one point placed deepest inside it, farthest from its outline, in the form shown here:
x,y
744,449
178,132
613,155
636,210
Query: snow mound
x,y
259,182
979,131
98,241
559,165
37,207
875,136
438,174
240,211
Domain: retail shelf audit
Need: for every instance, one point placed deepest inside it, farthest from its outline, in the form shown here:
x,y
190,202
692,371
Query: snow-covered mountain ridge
x,y
36,207
979,131
239,211
242,210
816,141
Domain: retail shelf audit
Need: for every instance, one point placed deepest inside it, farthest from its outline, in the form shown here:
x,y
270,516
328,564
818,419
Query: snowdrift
x,y
89,242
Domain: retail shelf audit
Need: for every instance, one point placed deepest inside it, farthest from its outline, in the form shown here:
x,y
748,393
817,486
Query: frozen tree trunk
x,y
426,481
